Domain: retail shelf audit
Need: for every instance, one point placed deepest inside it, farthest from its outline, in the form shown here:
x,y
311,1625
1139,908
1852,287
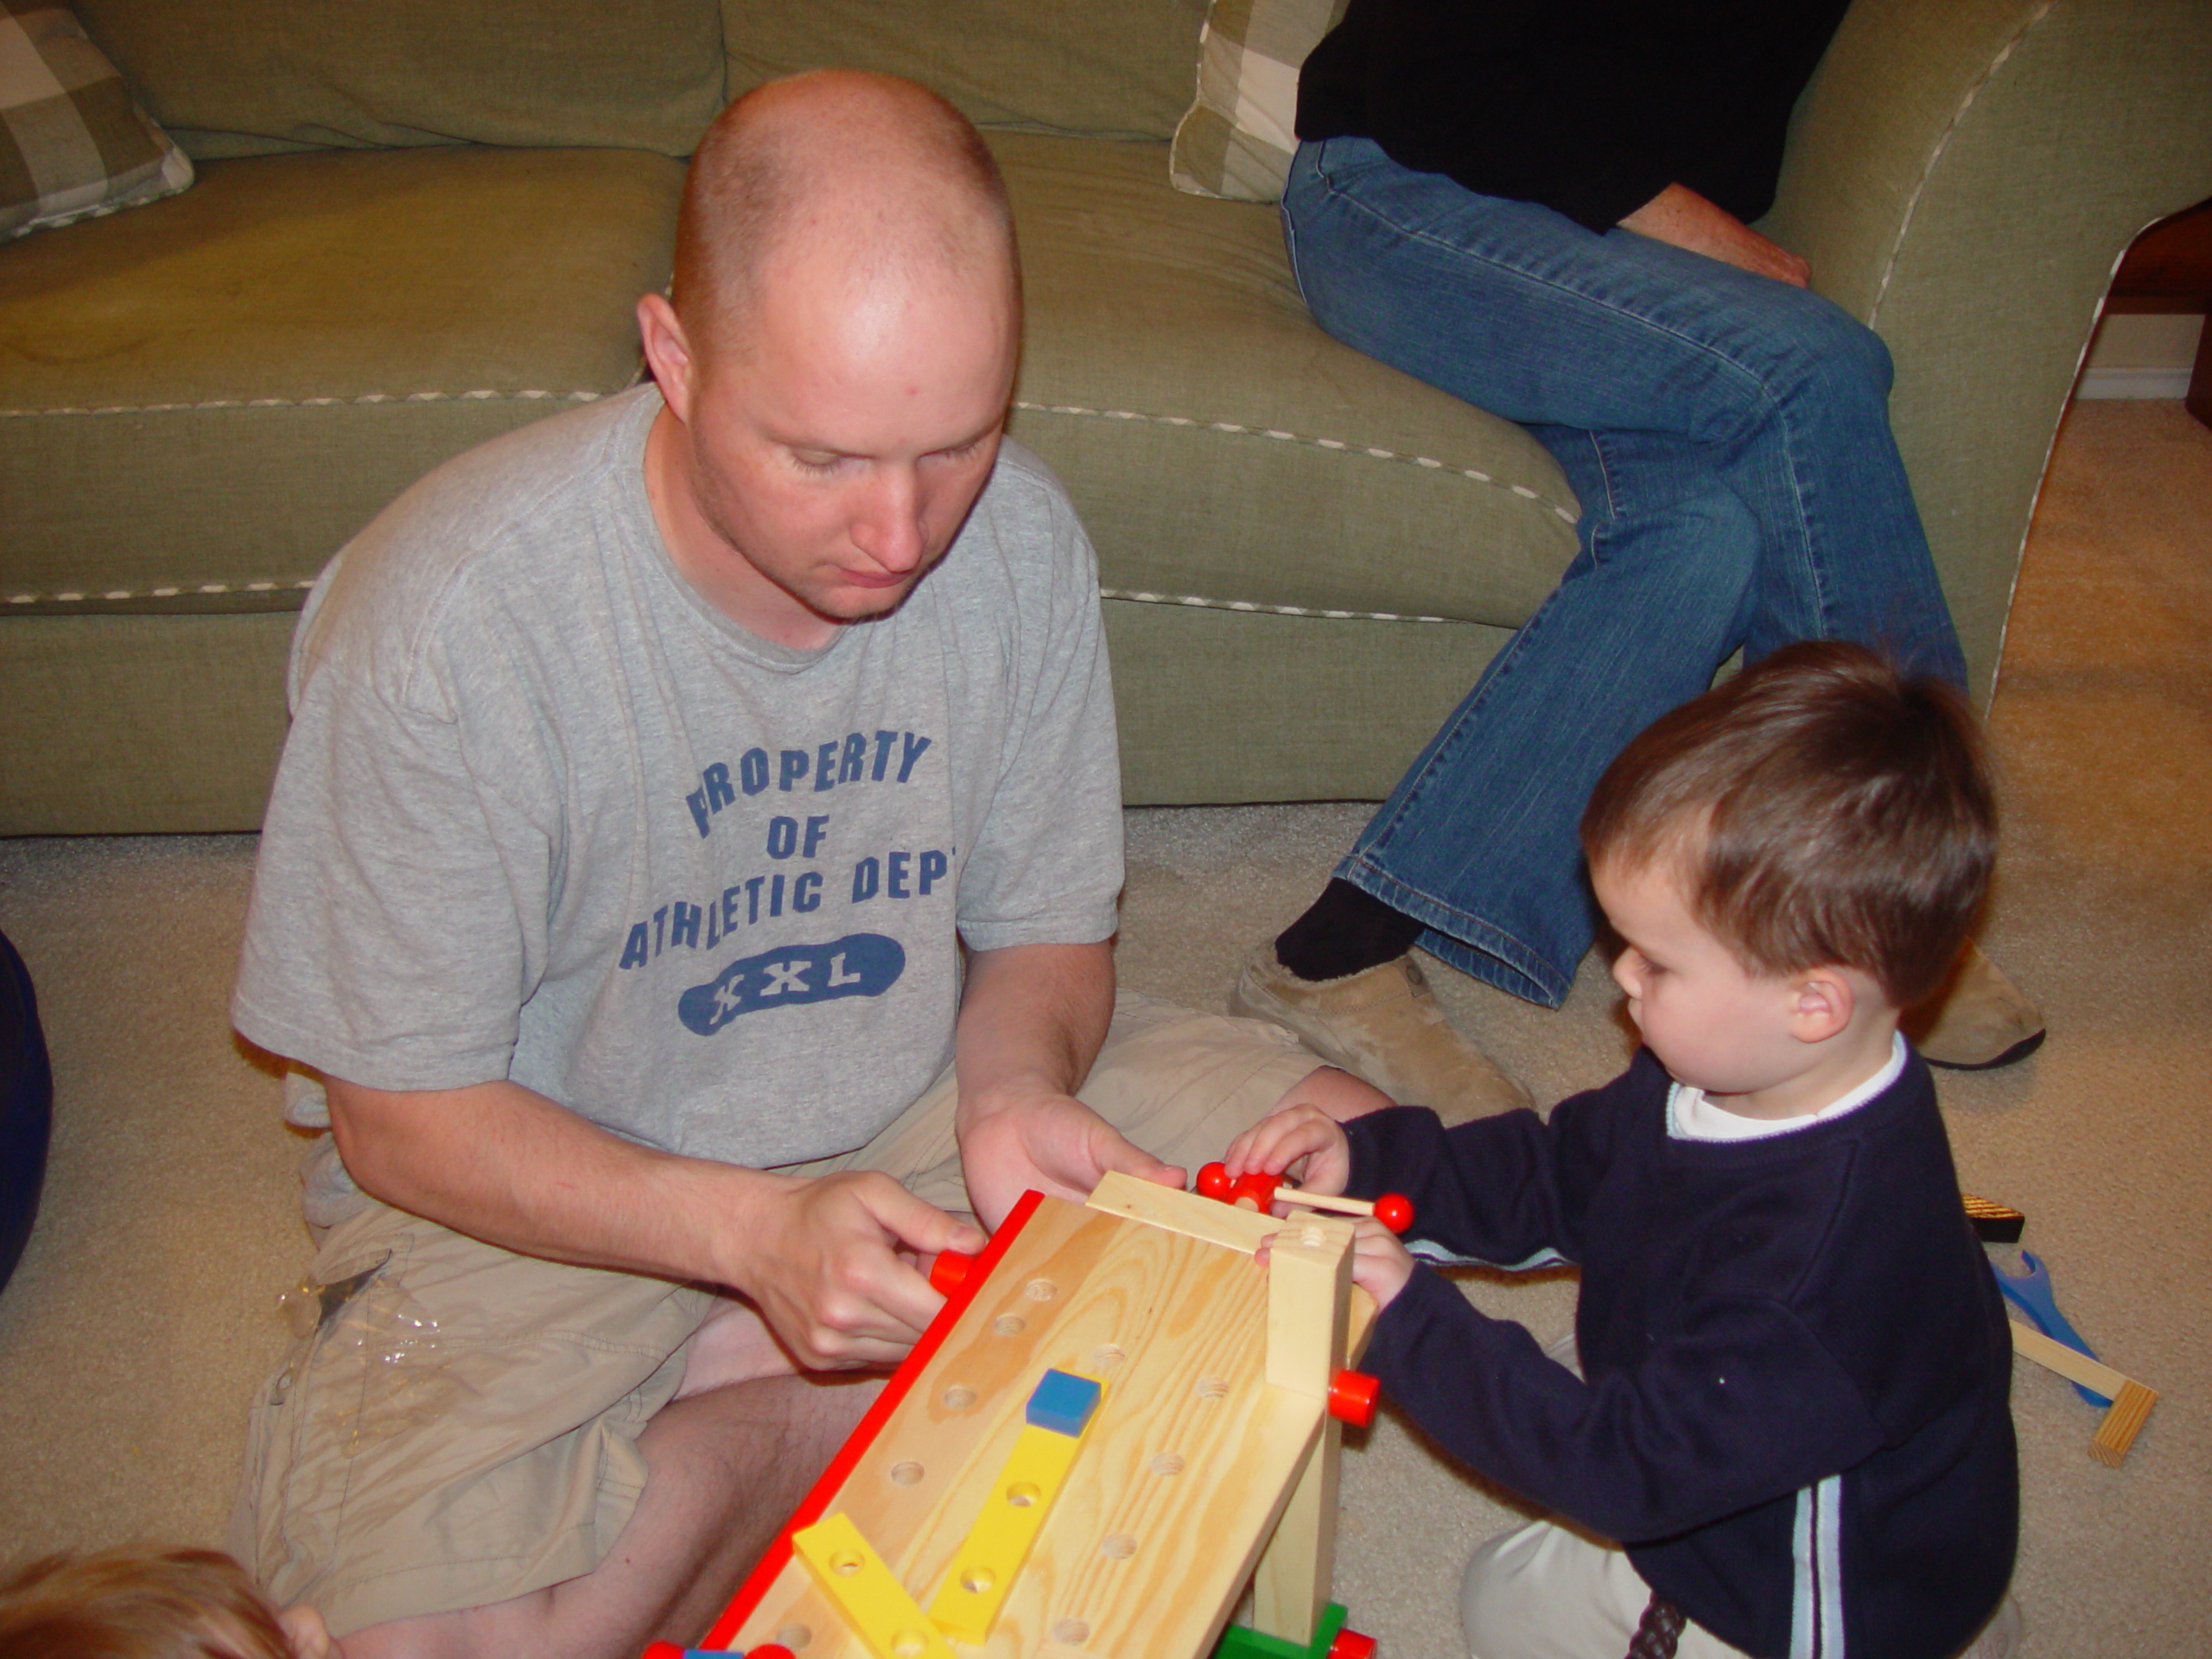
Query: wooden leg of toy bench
x,y
1309,1317
1290,1584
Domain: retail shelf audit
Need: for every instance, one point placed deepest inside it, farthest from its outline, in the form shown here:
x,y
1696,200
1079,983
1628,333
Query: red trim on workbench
x,y
816,1504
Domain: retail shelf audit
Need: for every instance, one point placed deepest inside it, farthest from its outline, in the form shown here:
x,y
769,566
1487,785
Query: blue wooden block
x,y
1062,1402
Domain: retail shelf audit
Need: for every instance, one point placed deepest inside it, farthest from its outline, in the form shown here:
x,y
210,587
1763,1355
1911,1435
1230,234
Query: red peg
x,y
664,1650
1214,1182
1257,1190
778,1650
1394,1210
946,1273
1351,1398
1348,1644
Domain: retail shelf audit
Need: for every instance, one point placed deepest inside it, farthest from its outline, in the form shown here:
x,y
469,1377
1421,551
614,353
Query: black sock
x,y
1344,932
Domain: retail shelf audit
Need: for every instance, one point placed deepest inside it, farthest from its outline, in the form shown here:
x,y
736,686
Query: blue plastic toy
x,y
2031,1292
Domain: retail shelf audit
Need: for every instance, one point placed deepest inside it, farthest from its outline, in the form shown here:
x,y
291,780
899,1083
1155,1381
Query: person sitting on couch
x,y
1540,206
649,768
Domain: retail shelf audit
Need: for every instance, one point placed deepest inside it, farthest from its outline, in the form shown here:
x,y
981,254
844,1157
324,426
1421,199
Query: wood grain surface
x,y
1179,1486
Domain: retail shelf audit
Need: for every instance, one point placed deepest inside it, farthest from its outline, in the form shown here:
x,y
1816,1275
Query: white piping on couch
x,y
1935,155
1139,597
1335,445
74,597
532,395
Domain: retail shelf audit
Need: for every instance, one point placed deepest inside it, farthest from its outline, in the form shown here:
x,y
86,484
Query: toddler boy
x,y
1792,1411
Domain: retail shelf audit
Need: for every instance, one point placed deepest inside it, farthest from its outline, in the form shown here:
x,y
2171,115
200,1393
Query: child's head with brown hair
x,y
148,1603
1820,808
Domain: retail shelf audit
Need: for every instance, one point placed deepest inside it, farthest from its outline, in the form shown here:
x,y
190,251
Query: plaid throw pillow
x,y
73,142
1236,141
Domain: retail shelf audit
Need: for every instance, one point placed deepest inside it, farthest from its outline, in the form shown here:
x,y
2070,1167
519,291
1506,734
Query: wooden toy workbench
x,y
1210,1460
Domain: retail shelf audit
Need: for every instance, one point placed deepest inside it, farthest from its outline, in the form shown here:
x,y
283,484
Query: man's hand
x,y
1031,1020
1016,1139
823,1263
1302,1143
820,1259
1681,216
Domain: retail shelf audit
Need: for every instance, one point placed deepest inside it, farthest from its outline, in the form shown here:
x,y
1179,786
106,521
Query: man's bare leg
x,y
724,1470
1334,1091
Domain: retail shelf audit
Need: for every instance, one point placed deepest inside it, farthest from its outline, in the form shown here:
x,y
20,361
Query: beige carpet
x,y
145,1308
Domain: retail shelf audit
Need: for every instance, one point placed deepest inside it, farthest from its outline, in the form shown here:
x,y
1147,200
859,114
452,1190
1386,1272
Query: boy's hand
x,y
1380,1264
1302,1143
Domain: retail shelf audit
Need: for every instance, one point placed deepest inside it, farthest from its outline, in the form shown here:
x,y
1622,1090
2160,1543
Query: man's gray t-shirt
x,y
545,814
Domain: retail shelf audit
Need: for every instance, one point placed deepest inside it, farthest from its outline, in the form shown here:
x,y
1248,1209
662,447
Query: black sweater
x,y
1796,1413
1589,106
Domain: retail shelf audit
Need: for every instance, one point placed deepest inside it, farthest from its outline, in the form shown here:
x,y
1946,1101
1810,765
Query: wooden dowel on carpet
x,y
2130,1401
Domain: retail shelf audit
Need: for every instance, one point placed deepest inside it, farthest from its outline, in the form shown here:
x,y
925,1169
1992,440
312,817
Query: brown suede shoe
x,y
1978,1019
1383,1024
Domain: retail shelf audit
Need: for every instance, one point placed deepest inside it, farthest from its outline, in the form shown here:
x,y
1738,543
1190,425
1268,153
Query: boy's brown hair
x,y
137,1604
1822,809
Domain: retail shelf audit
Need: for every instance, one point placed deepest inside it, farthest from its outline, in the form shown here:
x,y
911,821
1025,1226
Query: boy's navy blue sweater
x,y
1796,1414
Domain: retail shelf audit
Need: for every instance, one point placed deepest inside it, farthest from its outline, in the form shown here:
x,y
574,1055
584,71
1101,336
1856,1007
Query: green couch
x,y
417,226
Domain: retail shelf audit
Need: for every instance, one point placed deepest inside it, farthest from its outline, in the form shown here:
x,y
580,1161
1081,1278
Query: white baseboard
x,y
2133,383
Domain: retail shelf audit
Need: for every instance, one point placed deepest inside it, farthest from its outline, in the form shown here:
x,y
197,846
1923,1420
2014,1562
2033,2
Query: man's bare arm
x,y
506,1165
1032,1018
1681,216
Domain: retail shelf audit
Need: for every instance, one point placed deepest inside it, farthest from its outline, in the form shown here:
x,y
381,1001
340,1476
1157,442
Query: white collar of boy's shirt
x,y
1691,1116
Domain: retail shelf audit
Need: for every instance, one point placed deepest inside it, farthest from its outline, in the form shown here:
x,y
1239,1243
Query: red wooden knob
x,y
1351,1398
1213,1181
778,1650
1348,1644
946,1275
1394,1210
664,1650
1257,1190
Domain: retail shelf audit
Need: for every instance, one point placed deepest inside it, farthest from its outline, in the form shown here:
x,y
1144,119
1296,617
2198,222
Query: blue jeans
x,y
1728,437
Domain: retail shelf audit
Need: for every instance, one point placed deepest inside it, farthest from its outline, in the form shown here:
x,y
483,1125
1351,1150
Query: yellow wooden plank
x,y
990,1558
873,1605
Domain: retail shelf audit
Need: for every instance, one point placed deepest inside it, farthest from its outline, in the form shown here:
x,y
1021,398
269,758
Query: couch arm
x,y
1963,175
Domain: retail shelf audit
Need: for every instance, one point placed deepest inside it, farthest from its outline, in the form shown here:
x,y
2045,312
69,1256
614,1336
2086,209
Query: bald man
x,y
650,769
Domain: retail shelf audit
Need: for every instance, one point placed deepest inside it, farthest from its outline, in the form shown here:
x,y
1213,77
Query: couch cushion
x,y
139,725
1221,447
253,77
208,396
1110,68
74,142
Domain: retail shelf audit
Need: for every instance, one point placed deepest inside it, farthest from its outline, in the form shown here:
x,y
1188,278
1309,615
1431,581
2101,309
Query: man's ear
x,y
668,354
1821,1003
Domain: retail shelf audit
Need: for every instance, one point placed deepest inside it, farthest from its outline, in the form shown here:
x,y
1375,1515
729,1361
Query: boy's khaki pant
x,y
1543,1592
1546,1592
459,1426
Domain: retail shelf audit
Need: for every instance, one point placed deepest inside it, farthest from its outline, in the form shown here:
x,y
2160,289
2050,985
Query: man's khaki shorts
x,y
458,1424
